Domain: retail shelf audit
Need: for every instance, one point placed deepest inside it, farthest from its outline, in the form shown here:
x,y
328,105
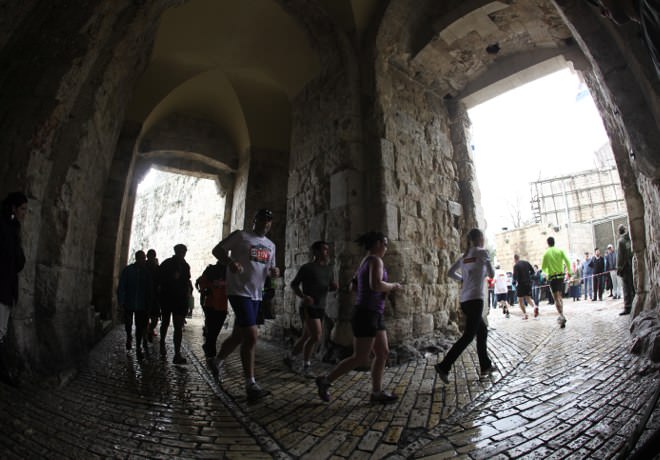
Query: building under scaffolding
x,y
581,197
581,210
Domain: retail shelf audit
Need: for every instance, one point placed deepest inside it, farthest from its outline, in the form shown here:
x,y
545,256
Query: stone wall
x,y
421,189
60,153
178,209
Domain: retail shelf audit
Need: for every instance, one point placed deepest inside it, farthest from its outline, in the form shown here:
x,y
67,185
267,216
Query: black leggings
x,y
474,326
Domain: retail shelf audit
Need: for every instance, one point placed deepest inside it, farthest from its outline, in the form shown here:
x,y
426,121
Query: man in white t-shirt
x,y
250,258
501,291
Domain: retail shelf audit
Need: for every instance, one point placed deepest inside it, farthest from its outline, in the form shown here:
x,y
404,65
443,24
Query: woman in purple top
x,y
368,323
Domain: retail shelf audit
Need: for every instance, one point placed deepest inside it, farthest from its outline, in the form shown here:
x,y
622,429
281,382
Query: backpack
x,y
213,288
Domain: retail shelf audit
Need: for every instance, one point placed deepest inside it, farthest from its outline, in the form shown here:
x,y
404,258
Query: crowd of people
x,y
149,292
592,278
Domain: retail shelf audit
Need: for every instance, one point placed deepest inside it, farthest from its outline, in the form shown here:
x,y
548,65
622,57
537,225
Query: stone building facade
x,y
341,116
530,242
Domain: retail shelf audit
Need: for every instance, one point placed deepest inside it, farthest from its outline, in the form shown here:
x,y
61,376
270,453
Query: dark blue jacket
x,y
12,260
135,290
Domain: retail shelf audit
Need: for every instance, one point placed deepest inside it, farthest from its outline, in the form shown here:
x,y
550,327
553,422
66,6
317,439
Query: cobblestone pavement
x,y
559,393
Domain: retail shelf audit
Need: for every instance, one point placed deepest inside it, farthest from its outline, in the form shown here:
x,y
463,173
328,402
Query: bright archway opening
x,y
172,208
545,168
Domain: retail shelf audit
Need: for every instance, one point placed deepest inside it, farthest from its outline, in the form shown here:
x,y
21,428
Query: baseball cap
x,y
265,214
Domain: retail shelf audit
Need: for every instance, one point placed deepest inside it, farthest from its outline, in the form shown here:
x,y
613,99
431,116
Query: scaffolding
x,y
580,197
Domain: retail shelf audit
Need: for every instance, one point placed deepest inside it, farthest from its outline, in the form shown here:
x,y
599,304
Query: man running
x,y
250,257
317,279
556,264
522,276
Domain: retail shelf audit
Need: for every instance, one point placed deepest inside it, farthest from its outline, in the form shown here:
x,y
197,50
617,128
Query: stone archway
x,y
362,134
429,56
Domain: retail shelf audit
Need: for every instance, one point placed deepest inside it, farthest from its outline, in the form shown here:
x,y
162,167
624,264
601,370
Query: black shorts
x,y
503,297
310,312
524,290
366,323
557,284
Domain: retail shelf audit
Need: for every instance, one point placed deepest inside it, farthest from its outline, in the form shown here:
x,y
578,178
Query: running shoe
x,y
178,359
443,374
323,387
562,322
489,369
255,392
383,397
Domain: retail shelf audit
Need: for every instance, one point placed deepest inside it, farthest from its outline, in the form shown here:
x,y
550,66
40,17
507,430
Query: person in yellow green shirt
x,y
555,265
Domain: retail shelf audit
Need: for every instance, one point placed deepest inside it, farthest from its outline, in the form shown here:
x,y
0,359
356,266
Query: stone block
x,y
422,324
454,208
345,188
392,221
387,153
399,330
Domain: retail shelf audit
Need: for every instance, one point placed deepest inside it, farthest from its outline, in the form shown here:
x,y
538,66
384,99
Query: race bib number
x,y
260,254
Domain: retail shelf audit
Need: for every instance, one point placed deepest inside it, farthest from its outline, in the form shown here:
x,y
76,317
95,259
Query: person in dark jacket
x,y
12,260
154,307
624,268
134,295
175,291
597,265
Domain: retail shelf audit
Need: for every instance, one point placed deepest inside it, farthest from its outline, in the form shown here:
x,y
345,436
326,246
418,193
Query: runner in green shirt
x,y
556,265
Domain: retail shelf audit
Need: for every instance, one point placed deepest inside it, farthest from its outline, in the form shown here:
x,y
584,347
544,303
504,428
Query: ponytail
x,y
369,239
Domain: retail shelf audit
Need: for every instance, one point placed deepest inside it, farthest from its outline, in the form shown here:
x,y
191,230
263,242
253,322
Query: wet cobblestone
x,y
558,393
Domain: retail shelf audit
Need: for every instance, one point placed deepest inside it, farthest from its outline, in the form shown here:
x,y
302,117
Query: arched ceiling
x,y
235,63
459,43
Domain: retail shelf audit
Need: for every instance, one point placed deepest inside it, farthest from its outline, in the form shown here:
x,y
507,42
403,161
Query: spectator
x,y
625,270
610,268
597,265
12,261
587,276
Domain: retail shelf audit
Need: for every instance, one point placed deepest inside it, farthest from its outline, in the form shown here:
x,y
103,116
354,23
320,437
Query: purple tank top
x,y
366,297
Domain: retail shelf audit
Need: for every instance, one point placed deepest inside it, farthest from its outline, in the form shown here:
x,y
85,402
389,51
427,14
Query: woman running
x,y
472,269
368,322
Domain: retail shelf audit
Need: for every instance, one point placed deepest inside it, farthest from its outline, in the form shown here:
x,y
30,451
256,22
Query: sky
x,y
546,128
